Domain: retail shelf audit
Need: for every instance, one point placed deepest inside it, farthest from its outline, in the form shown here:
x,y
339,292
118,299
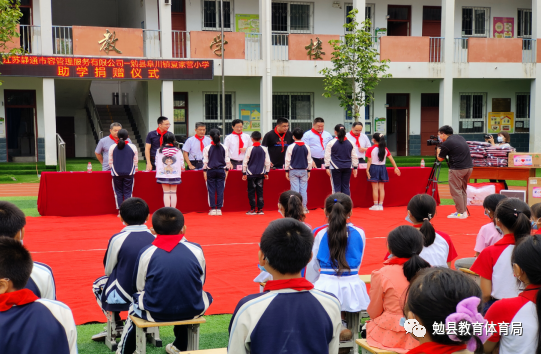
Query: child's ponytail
x,y
340,132
215,136
338,207
382,146
122,138
407,242
423,208
515,215
291,201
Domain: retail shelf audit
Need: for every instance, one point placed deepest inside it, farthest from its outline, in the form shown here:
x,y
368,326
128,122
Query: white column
x,y
167,102
153,104
49,121
165,28
361,16
265,27
45,20
535,93
446,85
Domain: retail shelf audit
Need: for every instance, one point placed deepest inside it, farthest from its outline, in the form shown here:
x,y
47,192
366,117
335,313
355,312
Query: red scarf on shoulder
x,y
161,135
282,137
167,242
16,298
396,260
114,139
436,348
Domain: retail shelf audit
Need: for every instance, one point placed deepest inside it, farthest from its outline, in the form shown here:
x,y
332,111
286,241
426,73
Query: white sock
x,y
166,199
375,202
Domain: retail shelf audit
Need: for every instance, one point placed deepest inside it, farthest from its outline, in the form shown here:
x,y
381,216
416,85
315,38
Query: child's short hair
x,y
256,135
491,201
12,219
167,221
298,133
134,211
15,262
287,245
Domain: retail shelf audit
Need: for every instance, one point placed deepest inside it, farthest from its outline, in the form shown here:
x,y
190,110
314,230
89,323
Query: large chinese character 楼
x,y
315,50
217,41
109,42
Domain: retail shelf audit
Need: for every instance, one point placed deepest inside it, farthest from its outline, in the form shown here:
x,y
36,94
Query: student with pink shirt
x,y
388,287
488,234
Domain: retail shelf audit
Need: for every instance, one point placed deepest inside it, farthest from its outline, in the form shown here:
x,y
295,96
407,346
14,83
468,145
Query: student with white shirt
x,y
376,170
237,142
316,139
359,140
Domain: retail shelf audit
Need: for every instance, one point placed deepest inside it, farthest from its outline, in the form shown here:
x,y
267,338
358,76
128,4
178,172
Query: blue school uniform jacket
x,y
298,157
340,155
41,281
119,262
169,285
43,326
215,157
256,161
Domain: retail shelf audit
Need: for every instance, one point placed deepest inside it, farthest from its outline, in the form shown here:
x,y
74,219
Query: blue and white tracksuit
x,y
298,165
340,158
256,166
215,163
123,164
41,281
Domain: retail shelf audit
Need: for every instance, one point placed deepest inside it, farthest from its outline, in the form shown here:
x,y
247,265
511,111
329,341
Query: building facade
x,y
470,65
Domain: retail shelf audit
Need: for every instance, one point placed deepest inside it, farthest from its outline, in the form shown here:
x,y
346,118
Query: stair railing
x,y
94,115
61,151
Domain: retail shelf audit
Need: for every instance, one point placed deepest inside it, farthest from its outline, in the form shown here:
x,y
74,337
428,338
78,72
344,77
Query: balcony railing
x,y
62,40
252,44
30,38
151,43
180,44
529,50
436,49
461,50
280,46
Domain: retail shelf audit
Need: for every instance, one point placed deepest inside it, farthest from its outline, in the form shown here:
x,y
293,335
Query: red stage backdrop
x,y
83,194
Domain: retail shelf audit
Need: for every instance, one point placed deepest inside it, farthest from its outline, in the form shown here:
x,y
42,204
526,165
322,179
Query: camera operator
x,y
460,167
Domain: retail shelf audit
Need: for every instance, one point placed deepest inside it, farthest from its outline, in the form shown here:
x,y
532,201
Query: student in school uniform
x,y
255,170
169,166
524,310
215,165
494,263
12,223
340,159
376,170
316,139
237,142
102,150
168,277
298,165
277,141
123,160
153,142
536,218
359,140
290,316
113,291
29,324
193,147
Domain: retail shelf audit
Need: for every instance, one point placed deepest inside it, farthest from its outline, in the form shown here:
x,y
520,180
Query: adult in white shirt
x,y
357,137
237,142
316,139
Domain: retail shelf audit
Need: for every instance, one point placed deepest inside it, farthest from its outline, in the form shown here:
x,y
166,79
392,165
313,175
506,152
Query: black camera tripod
x,y
434,178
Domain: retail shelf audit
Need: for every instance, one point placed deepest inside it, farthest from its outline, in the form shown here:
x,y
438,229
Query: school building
x,y
470,64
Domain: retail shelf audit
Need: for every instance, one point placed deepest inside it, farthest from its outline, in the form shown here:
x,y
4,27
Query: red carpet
x,y
74,248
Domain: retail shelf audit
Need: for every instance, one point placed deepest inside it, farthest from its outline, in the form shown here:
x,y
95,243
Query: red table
x,y
82,193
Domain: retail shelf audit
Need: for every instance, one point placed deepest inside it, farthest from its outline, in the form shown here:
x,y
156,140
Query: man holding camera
x,y
460,168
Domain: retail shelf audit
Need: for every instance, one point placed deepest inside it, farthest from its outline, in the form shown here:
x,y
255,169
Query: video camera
x,y
433,141
488,136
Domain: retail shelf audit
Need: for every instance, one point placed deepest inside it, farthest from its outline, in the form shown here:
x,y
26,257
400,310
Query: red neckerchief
x,y
161,135
320,136
281,138
257,144
201,145
116,139
356,138
436,348
17,298
212,143
167,242
508,239
295,284
538,232
530,293
300,143
241,143
396,260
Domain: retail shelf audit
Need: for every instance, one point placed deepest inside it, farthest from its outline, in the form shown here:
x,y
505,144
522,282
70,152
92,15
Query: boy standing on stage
x,y
255,169
193,147
298,166
237,142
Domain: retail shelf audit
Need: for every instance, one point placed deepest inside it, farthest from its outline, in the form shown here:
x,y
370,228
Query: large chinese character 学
x,y
109,42
315,50
217,41
82,71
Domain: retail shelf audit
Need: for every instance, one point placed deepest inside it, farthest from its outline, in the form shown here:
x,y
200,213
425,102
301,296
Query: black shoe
x,y
251,212
260,212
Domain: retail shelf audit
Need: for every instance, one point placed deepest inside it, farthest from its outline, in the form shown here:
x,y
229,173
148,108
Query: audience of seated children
x,y
488,234
494,263
215,164
439,296
290,205
12,223
168,281
525,309
29,324
290,316
536,218
113,290
298,165
255,170
387,288
337,255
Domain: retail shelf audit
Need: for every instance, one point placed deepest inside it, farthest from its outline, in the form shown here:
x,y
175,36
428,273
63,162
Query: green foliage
x,y
357,68
9,19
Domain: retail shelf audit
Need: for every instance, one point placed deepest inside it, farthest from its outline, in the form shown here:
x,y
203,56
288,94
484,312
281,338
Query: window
x,y
292,17
348,123
297,107
212,15
180,110
368,13
524,23
212,110
522,113
472,112
475,21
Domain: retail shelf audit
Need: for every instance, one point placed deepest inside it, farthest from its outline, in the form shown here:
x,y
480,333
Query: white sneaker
x,y
458,216
218,212
171,349
380,207
374,207
213,212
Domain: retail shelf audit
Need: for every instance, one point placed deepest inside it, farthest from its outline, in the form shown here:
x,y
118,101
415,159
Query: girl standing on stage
x,y
215,165
123,163
169,164
376,170
340,158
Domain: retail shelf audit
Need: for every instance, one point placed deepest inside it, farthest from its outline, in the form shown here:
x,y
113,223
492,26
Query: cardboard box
x,y
525,159
534,190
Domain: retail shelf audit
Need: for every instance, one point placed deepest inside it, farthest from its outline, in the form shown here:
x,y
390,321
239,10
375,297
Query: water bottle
x,y
422,163
89,168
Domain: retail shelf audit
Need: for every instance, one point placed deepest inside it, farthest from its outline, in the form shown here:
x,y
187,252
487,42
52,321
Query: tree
x,y
356,70
9,34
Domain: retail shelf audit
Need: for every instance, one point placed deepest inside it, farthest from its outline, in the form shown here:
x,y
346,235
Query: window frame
x,y
295,123
487,22
218,28
310,19
185,107
520,25
483,119
370,6
523,119
218,120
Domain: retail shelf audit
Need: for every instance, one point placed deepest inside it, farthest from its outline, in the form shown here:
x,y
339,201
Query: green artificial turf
x,y
29,205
